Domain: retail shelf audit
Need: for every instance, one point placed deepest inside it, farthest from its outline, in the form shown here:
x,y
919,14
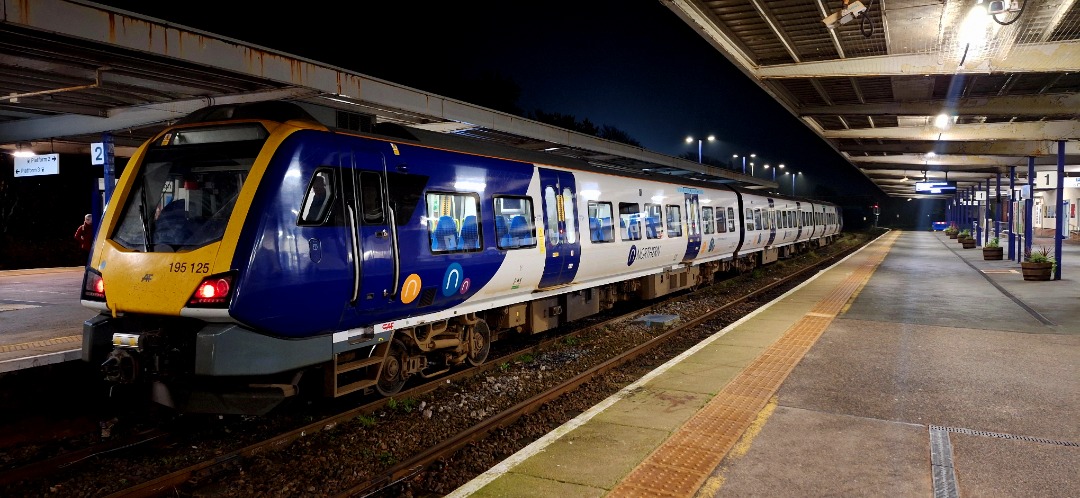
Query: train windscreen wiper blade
x,y
145,219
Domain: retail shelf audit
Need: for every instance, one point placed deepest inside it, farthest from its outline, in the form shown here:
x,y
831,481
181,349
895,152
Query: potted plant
x,y
952,231
993,251
1038,265
965,239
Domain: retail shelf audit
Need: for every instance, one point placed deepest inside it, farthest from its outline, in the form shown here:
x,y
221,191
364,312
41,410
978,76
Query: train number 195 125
x,y
181,267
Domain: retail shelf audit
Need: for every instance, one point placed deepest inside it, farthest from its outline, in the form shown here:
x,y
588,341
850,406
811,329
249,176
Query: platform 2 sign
x,y
45,164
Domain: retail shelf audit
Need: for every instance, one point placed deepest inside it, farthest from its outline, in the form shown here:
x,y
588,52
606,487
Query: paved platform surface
x,y
912,368
40,317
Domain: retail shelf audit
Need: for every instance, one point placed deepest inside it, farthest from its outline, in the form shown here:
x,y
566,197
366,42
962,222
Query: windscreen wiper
x,y
145,219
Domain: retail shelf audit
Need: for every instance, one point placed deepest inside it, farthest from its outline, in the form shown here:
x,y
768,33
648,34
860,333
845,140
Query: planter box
x,y
1036,271
993,253
953,235
969,243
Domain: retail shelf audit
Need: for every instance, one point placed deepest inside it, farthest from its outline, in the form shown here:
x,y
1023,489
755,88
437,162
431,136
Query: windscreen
x,y
186,187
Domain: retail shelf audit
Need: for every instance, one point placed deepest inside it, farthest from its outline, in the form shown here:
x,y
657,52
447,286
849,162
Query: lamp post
x,y
690,140
781,166
736,156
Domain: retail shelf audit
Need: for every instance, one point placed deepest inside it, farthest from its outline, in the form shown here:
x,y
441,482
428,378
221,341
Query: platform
x,y
911,368
40,317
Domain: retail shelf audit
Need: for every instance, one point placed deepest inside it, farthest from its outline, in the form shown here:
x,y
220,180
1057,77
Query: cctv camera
x,y
1001,7
844,15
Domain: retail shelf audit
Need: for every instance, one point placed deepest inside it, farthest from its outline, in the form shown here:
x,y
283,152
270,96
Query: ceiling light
x,y
23,150
942,121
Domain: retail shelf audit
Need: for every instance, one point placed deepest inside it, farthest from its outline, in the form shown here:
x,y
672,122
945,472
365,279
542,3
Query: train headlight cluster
x,y
93,286
213,292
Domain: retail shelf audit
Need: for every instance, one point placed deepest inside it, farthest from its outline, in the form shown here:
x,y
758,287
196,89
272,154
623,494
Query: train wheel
x,y
392,376
479,343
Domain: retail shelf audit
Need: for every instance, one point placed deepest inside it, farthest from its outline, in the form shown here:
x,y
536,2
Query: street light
x,y
793,182
781,166
690,140
736,156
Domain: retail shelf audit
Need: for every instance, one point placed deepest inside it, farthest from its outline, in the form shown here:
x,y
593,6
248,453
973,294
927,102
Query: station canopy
x,y
905,91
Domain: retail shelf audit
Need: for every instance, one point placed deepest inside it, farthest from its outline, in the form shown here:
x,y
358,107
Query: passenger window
x,y
601,228
757,219
629,221
731,219
674,221
654,227
452,221
318,198
514,222
707,220
749,219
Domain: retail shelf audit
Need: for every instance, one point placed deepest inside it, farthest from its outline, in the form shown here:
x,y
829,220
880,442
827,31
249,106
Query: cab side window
x,y
318,198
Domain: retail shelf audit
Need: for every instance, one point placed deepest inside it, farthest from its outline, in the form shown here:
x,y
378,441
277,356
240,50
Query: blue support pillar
x,y
997,217
1059,221
1028,205
977,208
110,165
970,210
1012,222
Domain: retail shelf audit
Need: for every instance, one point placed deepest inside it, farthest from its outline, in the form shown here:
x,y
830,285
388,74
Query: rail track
x,y
409,470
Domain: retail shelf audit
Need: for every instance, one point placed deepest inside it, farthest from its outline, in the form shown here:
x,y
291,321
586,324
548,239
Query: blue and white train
x,y
250,252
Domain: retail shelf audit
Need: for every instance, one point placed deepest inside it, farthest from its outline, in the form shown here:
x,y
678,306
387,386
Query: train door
x,y
770,218
561,243
370,222
692,204
798,220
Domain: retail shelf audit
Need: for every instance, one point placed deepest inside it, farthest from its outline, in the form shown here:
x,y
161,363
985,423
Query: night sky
x,y
629,64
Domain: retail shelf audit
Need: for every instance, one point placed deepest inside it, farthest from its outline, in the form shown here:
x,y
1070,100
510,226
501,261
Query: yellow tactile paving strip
x,y
682,463
8,348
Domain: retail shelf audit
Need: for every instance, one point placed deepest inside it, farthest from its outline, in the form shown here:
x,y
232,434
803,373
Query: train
x,y
250,253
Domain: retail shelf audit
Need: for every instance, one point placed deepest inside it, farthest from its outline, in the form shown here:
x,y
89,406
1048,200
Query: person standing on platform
x,y
84,235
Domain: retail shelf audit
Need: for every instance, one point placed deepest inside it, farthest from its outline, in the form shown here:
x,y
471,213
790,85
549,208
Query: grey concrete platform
x,y
944,375
40,317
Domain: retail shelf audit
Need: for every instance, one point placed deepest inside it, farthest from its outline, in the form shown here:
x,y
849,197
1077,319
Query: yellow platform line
x,y
680,465
8,348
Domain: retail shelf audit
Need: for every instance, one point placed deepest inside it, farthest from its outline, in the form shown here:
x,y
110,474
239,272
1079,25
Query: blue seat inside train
x,y
445,236
652,227
470,233
502,231
520,232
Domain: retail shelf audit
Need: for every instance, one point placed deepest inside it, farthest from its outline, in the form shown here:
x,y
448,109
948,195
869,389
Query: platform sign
x,y
45,164
1072,182
97,154
980,195
1046,180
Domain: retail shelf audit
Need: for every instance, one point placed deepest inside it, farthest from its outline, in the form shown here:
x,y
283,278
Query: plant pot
x,y
953,235
993,253
1036,271
969,243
